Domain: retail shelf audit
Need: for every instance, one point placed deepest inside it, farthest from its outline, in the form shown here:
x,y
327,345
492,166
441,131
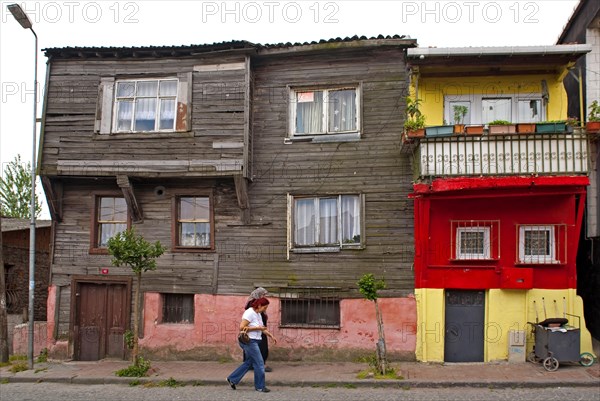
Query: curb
x,y
368,383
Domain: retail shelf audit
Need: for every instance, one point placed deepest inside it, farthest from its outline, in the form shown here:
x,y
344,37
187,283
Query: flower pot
x,y
550,128
502,129
526,128
474,129
459,129
419,133
592,127
439,130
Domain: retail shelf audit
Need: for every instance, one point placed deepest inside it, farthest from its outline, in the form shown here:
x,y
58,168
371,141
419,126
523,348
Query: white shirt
x,y
255,320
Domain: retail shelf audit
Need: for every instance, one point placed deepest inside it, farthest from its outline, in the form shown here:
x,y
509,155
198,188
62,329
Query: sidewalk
x,y
415,374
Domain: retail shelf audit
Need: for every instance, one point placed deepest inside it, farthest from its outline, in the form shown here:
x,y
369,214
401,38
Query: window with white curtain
x,y
324,111
493,109
328,221
145,105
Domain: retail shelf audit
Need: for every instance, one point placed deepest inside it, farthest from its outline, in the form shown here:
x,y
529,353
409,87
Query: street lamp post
x,y
22,19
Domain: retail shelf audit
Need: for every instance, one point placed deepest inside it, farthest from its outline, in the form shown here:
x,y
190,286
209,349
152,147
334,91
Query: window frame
x,y
476,100
486,255
334,247
175,247
94,234
164,295
157,108
549,258
294,90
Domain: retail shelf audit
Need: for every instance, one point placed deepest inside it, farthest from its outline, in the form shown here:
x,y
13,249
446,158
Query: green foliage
x,y
15,190
499,122
17,357
134,251
128,337
170,382
139,369
414,118
594,111
368,286
460,112
43,357
18,367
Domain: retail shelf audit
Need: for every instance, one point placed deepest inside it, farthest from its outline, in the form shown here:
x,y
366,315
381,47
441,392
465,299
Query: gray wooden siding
x,y
219,120
251,254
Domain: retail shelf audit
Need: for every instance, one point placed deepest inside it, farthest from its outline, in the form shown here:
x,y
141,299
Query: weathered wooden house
x,y
256,165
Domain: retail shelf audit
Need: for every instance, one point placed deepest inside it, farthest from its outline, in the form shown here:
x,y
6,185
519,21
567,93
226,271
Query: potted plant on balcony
x,y
593,124
551,127
526,128
414,125
460,112
501,127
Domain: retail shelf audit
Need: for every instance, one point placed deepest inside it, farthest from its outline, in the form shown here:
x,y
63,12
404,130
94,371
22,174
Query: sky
x,y
444,23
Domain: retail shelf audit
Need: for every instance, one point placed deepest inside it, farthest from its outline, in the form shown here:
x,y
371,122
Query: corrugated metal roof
x,y
187,50
13,224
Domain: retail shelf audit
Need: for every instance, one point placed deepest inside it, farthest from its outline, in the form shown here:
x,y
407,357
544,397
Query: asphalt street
x,y
118,392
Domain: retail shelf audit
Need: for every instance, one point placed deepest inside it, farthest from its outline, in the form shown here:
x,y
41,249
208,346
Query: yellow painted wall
x,y
432,92
505,310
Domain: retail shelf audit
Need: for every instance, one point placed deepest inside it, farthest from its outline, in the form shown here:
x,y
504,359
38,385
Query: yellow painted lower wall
x,y
505,310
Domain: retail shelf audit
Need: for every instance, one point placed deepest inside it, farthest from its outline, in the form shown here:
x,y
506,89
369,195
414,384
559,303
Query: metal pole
x,y
32,211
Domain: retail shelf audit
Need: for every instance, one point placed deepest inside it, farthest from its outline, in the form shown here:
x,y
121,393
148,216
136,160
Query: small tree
x,y
368,287
15,190
134,251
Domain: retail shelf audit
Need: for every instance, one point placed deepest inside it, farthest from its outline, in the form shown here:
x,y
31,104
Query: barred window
x,y
310,307
178,308
542,244
475,239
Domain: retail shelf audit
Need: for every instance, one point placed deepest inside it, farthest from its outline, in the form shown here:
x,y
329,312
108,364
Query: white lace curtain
x,y
307,233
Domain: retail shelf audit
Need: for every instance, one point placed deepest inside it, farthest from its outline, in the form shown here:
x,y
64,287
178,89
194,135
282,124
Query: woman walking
x,y
252,323
264,343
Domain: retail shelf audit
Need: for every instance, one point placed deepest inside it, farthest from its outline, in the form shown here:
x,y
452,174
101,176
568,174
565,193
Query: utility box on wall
x,y
516,346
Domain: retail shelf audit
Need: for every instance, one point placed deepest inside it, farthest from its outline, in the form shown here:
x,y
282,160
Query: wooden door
x,y
100,321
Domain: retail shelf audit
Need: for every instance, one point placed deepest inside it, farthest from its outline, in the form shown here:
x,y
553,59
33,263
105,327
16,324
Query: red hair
x,y
259,302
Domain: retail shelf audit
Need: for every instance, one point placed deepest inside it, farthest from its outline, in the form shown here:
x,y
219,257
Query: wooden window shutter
x,y
104,106
183,122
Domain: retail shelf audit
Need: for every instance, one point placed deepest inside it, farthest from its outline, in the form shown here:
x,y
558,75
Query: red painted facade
x,y
503,205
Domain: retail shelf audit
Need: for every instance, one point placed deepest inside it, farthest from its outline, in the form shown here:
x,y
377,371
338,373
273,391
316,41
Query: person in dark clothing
x,y
264,343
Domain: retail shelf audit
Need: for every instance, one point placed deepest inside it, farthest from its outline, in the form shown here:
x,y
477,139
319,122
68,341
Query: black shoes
x,y
263,390
231,384
268,369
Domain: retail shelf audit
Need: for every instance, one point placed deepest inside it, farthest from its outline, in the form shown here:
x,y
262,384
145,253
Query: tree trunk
x,y
381,351
136,319
3,313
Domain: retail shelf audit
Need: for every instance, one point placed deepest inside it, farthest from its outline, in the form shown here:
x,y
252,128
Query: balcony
x,y
499,155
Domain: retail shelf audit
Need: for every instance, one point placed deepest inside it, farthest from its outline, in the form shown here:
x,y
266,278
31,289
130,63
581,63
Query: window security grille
x,y
310,307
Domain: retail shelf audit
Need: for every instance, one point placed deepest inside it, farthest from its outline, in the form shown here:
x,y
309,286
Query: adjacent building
x,y
498,217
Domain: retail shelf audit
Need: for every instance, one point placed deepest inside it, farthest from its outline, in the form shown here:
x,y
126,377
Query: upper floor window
x,y
327,222
325,111
194,227
145,105
110,218
485,109
138,106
